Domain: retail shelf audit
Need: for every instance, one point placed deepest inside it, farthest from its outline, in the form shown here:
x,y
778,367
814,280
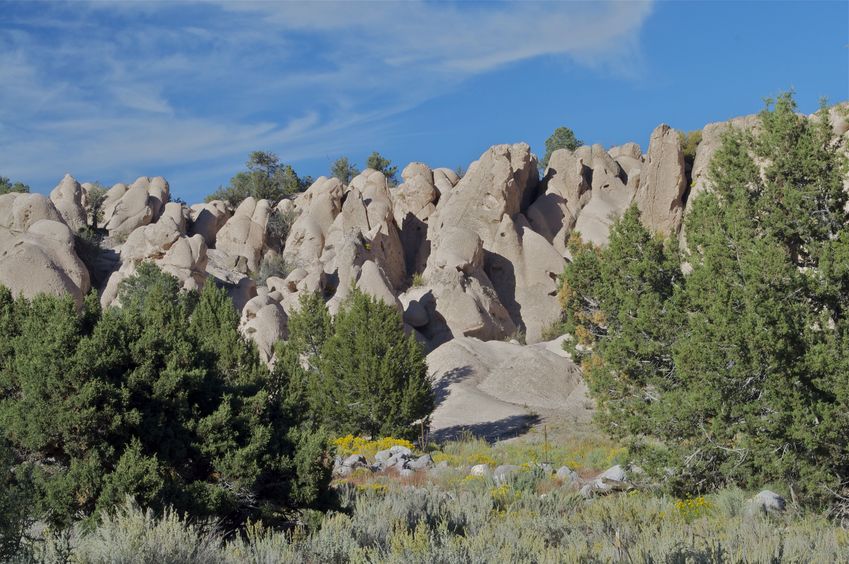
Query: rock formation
x,y
460,258
127,208
663,182
37,252
166,244
243,236
68,199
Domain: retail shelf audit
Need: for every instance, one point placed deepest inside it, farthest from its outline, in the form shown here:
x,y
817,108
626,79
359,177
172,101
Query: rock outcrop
x,y
37,254
493,386
166,244
265,322
465,302
126,208
524,267
502,182
208,219
663,183
243,236
68,199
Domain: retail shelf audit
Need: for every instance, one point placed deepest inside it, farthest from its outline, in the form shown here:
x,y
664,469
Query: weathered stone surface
x,y
609,195
165,244
243,236
421,463
127,208
373,282
566,475
67,196
415,314
264,322
492,386
502,182
766,502
18,212
355,461
465,301
524,267
481,470
37,249
565,191
663,182
414,202
208,219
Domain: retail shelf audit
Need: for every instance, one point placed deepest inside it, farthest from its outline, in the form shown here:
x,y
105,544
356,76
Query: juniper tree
x,y
160,399
370,378
735,373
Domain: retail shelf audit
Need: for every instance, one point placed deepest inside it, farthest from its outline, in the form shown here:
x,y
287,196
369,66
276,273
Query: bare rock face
x,y
630,159
208,219
609,197
264,322
68,199
524,267
383,238
415,201
445,179
464,299
502,182
19,211
565,191
37,249
496,385
318,208
417,195
663,183
243,236
127,208
373,282
164,243
346,236
240,287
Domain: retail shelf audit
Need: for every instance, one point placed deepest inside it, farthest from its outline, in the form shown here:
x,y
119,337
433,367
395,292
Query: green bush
x,y
344,170
95,196
689,143
379,163
562,138
364,377
15,499
266,178
160,399
7,186
735,373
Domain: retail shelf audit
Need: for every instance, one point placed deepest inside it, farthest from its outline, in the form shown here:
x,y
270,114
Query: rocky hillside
x,y
476,256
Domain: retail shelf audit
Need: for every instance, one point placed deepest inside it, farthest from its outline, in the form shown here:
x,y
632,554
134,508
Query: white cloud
x,y
107,88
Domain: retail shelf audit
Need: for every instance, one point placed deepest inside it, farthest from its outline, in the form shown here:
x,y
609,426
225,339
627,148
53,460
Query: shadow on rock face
x,y
441,391
490,431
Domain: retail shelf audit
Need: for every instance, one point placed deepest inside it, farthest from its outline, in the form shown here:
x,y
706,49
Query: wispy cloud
x,y
106,89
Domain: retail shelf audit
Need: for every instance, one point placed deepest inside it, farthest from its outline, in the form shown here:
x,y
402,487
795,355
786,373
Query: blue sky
x,y
112,91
